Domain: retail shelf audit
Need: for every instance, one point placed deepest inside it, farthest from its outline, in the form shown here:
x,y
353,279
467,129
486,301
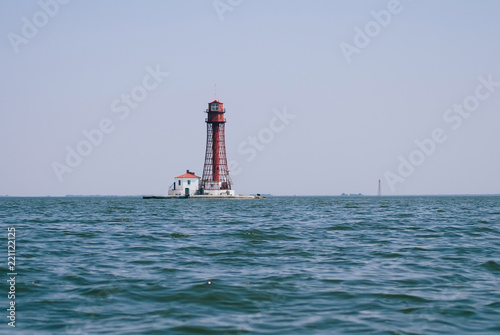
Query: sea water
x,y
281,265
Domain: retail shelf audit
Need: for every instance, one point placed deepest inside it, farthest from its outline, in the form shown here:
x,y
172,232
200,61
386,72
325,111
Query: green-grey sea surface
x,y
281,265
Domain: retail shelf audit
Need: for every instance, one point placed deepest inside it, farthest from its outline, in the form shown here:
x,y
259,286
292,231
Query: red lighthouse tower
x,y
215,179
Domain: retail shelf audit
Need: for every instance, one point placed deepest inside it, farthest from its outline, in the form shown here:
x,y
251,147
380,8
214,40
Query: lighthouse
x,y
215,179
215,182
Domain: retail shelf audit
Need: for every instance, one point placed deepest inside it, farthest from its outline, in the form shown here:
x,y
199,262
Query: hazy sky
x,y
322,97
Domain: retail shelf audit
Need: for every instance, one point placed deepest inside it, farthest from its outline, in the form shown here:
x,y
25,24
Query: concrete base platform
x,y
203,197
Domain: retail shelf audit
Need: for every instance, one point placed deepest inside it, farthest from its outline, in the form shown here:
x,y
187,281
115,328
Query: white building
x,y
186,184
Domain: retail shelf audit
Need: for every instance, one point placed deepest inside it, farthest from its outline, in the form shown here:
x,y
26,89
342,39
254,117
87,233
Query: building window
x,y
189,182
179,183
